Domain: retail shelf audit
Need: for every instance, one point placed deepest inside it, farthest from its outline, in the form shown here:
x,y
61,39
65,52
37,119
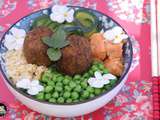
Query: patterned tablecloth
x,y
134,102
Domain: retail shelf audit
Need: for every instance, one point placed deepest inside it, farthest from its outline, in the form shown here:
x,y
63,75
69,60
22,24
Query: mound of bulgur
x,y
18,68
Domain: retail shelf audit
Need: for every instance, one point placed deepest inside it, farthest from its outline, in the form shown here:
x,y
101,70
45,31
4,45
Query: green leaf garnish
x,y
57,40
48,41
54,54
55,43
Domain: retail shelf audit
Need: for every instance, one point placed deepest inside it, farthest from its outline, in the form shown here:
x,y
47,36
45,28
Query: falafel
x,y
76,57
34,49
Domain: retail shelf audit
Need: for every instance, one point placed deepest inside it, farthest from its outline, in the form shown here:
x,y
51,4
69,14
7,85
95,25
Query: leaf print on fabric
x,y
130,108
120,100
126,117
136,93
125,88
147,86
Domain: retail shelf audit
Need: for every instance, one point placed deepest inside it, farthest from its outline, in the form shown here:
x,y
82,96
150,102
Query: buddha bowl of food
x,y
65,61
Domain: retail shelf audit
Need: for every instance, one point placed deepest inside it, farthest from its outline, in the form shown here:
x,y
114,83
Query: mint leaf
x,y
59,38
47,41
54,54
55,43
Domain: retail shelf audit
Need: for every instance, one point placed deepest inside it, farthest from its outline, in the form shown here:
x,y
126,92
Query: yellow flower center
x,y
117,37
65,14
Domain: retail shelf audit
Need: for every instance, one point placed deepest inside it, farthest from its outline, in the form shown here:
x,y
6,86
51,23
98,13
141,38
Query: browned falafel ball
x,y
76,57
34,49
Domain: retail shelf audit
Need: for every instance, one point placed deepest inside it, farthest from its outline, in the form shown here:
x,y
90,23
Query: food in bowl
x,y
65,58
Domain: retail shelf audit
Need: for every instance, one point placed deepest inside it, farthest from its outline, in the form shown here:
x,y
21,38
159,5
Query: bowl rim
x,y
73,103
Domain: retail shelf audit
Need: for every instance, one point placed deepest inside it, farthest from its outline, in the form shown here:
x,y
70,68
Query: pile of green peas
x,y
60,88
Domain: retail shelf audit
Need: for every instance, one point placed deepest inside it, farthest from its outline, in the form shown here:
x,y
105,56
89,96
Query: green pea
x,y
95,62
55,95
66,94
105,71
74,95
58,88
82,78
103,90
78,82
60,78
112,82
76,101
83,85
66,81
85,94
46,77
40,96
69,100
67,88
81,99
77,77
52,100
78,88
72,84
48,89
59,84
48,96
94,68
97,91
54,78
91,72
92,95
101,66
108,87
86,75
61,94
90,89
51,83
85,80
49,71
60,100
68,77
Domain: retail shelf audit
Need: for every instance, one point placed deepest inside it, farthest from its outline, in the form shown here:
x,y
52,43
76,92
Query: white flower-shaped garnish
x,y
62,13
100,80
15,39
33,87
23,83
116,35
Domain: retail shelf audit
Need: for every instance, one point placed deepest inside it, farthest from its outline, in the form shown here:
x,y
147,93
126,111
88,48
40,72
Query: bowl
x,y
74,109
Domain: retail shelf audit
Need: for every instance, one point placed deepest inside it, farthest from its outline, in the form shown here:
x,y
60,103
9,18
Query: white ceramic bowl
x,y
66,110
